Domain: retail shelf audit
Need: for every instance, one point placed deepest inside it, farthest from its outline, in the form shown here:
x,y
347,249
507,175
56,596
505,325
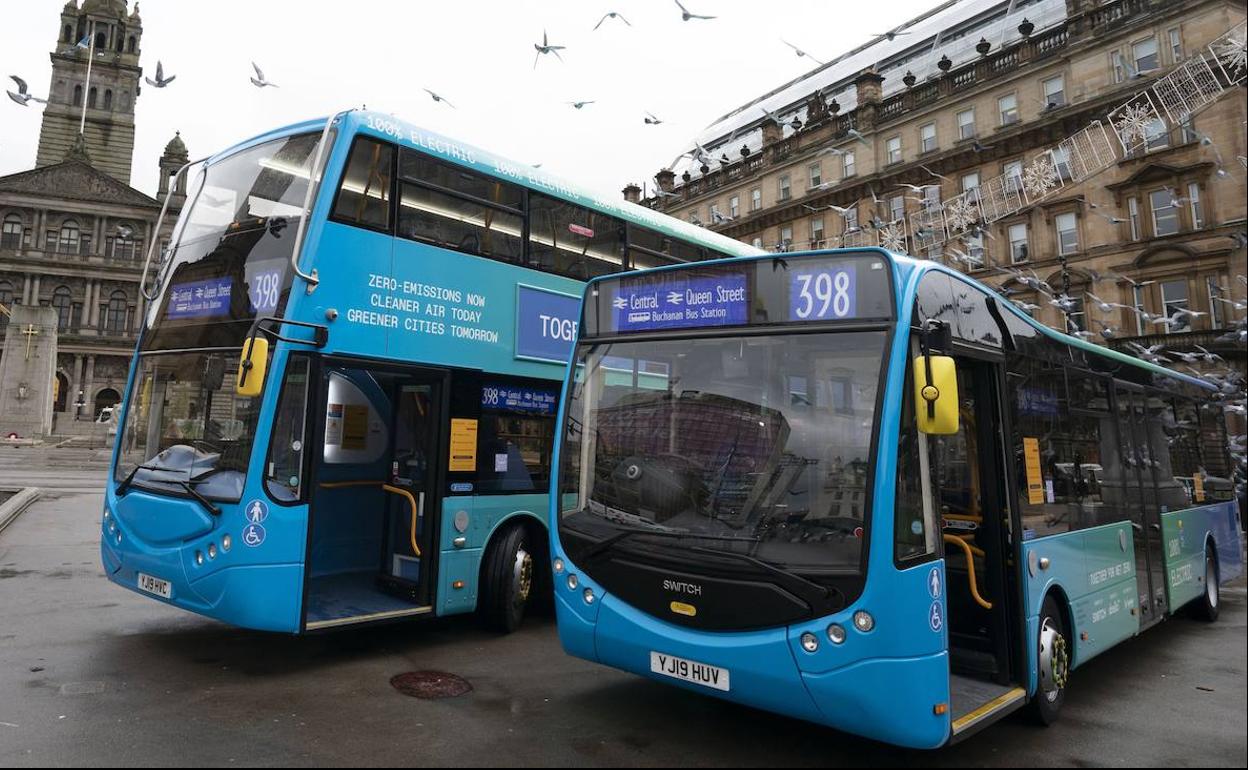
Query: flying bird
x,y
545,48
579,105
439,98
855,133
891,34
611,15
685,15
259,81
23,95
800,53
934,174
651,120
161,81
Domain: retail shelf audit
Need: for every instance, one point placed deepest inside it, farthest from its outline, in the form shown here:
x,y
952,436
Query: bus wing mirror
x,y
936,395
251,367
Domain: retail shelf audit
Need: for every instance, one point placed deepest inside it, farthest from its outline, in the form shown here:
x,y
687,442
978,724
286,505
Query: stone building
x,y
970,92
73,233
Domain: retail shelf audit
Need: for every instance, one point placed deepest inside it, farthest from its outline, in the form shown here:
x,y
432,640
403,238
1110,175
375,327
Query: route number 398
x,y
822,295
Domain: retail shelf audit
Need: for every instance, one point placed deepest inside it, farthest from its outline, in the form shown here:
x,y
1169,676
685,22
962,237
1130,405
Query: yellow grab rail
x,y
411,501
970,568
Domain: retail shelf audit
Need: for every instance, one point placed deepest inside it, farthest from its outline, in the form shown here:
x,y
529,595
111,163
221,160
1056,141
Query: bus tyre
x,y
1053,662
507,579
1206,607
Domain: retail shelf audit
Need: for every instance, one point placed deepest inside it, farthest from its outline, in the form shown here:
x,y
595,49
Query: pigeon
x,y
259,80
23,95
685,15
440,98
855,133
934,174
545,48
891,34
800,53
978,147
651,120
579,105
772,116
161,81
611,15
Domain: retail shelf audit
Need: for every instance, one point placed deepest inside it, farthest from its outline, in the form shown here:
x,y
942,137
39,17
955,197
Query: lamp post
x,y
79,403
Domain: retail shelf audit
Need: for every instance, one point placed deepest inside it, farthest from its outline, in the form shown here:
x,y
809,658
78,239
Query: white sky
x,y
326,56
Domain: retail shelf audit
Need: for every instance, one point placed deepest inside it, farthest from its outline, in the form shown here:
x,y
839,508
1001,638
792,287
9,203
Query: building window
x,y
108,98
931,195
693,217
927,138
897,207
11,236
734,206
849,163
1165,212
816,175
966,124
115,313
975,250
1176,46
1118,66
1156,136
1133,217
756,199
894,149
1019,248
1173,299
1215,301
786,237
1007,107
63,303
1067,233
1013,172
716,217
757,242
784,191
67,242
1076,316
1193,201
1145,55
1061,162
91,98
1054,92
816,233
970,181
78,96
132,45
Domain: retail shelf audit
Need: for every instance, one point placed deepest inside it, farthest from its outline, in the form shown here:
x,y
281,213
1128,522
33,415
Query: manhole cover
x,y
430,685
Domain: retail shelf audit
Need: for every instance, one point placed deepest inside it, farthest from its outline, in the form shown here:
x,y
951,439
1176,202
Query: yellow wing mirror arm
x,y
936,387
254,361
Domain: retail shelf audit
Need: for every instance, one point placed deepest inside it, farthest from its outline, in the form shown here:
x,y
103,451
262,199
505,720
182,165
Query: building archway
x,y
104,399
61,403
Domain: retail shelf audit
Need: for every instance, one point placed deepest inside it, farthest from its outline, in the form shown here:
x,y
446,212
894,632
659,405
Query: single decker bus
x,y
342,407
864,490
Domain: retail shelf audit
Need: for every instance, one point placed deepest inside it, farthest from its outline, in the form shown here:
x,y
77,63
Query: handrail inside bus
x,y
411,501
314,174
970,569
160,220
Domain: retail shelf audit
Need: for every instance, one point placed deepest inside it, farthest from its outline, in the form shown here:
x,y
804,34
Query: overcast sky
x,y
327,55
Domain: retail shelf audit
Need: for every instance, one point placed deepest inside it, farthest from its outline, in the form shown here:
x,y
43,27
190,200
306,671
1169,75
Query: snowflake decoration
x,y
1040,177
893,237
1231,51
1133,123
962,213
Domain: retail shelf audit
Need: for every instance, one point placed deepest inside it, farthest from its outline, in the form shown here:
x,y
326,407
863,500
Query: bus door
x,y
977,527
370,537
1142,502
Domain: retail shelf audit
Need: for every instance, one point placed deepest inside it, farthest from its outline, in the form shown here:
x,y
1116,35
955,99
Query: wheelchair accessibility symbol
x,y
256,511
253,535
934,618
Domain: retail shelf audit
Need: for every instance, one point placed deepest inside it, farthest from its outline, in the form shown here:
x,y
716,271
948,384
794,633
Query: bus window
x,y
364,196
1182,428
460,224
425,171
915,531
936,301
284,469
573,241
648,248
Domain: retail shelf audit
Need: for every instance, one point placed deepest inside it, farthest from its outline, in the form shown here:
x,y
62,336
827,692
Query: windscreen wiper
x,y
606,543
190,490
804,587
124,486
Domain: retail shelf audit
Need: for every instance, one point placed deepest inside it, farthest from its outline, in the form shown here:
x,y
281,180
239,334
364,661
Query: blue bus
x,y
866,491
342,406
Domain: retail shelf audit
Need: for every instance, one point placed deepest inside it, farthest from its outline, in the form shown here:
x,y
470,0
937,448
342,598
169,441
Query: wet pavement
x,y
91,674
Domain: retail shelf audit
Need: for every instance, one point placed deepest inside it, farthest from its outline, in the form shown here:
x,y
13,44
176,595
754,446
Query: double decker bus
x,y
863,490
342,406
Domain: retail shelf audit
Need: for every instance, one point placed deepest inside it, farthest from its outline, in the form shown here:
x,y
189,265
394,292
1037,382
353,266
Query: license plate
x,y
689,671
155,586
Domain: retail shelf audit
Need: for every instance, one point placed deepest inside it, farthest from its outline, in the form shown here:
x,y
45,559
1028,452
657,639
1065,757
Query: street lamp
x,y
78,405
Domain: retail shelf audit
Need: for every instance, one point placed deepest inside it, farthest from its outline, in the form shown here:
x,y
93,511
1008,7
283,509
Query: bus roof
x,y
911,264
451,150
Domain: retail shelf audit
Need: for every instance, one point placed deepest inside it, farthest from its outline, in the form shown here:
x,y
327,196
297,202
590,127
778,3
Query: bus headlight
x,y
212,550
558,566
589,596
836,633
199,558
226,542
810,642
863,621
573,582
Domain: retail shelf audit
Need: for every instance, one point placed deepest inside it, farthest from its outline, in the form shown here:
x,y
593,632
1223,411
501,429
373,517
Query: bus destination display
x,y
822,292
675,300
209,298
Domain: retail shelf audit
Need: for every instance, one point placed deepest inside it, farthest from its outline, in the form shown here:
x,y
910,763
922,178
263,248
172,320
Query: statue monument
x,y
28,372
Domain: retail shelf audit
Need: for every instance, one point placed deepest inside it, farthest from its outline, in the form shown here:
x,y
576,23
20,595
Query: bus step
x,y
973,662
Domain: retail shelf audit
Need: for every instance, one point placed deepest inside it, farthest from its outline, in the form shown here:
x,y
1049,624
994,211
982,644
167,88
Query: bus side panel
x,y
1184,535
890,700
1094,570
485,516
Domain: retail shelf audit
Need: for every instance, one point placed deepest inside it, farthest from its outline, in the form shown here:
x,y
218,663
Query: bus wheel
x,y
1206,607
1053,663
507,579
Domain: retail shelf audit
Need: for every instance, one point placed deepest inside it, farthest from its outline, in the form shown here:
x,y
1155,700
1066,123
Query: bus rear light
x,y
199,558
457,585
836,633
212,550
810,642
863,621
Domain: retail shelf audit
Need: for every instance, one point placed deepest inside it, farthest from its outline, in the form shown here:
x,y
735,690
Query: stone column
x,y
139,309
93,310
26,280
86,390
76,385
34,291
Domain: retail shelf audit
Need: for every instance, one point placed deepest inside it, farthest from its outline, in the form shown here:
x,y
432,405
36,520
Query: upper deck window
x,y
573,241
364,196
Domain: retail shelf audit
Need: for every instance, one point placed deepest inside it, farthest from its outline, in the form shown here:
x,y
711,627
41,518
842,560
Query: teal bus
x,y
864,490
342,405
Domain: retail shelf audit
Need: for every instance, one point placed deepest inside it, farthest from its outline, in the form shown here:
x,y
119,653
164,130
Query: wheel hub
x,y
1054,661
523,575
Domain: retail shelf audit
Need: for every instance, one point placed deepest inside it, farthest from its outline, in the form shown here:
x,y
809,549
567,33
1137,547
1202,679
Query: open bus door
x,y
376,487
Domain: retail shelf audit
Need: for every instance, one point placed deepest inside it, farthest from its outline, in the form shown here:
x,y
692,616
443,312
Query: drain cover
x,y
430,685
